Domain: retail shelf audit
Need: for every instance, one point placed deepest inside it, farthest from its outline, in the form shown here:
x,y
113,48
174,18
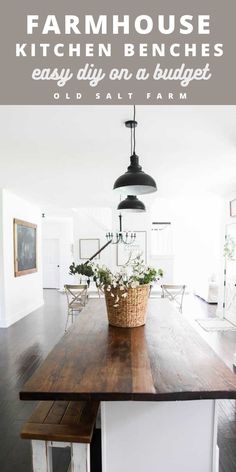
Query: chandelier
x,y
125,237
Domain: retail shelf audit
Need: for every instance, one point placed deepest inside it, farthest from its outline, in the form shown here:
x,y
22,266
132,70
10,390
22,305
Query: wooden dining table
x,y
158,386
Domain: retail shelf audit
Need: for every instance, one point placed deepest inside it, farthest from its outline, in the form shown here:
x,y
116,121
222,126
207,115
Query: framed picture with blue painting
x,y
25,247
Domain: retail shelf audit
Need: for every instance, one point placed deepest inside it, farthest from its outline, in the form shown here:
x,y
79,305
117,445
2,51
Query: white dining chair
x,y
77,297
175,293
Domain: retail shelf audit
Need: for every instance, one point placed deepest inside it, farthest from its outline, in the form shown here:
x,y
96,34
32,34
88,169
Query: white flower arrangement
x,y
131,275
134,273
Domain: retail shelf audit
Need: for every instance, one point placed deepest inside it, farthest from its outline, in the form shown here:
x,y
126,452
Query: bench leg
x,y
80,457
42,456
98,419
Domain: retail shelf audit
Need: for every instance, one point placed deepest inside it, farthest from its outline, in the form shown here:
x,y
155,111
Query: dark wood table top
x,y
164,360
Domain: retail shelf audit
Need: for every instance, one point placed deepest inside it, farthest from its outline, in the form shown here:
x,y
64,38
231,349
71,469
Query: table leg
x,y
159,436
41,456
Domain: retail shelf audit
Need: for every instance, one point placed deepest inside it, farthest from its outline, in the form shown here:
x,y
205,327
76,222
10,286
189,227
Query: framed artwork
x,y
25,247
232,206
88,247
124,252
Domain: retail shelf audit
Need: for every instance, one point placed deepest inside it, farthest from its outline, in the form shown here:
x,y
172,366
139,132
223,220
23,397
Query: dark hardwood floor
x,y
25,345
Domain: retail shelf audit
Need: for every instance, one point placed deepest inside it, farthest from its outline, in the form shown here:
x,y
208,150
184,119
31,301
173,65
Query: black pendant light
x,y
132,204
134,181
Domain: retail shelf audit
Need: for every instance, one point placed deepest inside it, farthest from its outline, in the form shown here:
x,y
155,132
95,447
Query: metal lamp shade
x,y
135,181
131,204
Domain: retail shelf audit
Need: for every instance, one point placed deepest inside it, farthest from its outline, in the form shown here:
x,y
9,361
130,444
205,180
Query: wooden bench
x,y
61,424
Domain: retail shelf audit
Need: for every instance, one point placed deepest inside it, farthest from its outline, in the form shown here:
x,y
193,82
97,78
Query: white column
x,y
159,436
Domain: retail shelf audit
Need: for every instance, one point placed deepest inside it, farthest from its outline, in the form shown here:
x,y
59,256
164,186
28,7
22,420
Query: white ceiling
x,y
63,157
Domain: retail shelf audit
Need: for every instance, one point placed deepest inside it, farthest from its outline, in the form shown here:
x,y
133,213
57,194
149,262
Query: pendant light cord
x,y
134,130
131,136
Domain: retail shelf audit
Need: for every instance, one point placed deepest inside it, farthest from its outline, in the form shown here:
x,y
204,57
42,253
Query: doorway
x,y
51,263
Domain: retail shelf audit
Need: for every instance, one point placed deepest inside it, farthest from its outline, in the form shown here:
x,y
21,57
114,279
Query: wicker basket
x,y
131,310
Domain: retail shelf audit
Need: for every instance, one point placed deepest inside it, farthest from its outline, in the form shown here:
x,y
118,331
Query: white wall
x,y
93,223
85,223
2,286
61,229
197,236
196,225
22,294
89,223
